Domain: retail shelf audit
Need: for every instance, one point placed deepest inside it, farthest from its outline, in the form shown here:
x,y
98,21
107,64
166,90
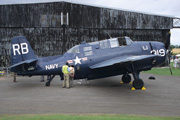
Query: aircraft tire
x,y
47,84
138,84
126,78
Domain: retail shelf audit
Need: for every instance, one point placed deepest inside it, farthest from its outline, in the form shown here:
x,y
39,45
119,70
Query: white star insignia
x,y
77,60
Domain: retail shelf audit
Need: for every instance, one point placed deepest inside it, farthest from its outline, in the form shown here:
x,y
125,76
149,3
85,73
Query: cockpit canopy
x,y
109,43
124,41
113,42
74,50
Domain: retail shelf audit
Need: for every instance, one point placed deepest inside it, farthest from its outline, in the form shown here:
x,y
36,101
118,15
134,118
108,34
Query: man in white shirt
x,y
71,74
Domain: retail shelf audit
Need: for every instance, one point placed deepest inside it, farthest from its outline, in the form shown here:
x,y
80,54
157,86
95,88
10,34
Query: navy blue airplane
x,y
110,57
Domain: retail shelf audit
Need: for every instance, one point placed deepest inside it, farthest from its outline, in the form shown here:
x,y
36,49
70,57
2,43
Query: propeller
x,y
168,52
168,60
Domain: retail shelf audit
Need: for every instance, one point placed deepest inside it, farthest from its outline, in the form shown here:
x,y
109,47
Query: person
x,y
65,71
14,75
42,78
179,62
71,74
175,62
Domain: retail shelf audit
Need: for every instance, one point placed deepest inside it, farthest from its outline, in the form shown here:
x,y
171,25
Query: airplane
x,y
94,60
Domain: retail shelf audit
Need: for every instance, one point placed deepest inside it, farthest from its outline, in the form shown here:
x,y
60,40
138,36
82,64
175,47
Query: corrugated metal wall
x,y
41,24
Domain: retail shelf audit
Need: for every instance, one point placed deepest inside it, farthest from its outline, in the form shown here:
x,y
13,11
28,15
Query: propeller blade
x,y
168,60
150,45
170,70
167,42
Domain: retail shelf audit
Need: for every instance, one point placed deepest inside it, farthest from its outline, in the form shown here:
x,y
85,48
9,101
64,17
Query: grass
x,y
164,71
82,117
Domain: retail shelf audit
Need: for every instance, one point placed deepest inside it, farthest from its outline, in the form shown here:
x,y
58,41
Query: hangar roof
x,y
95,5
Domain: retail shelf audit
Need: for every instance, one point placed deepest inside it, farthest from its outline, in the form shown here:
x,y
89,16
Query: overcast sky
x,y
162,7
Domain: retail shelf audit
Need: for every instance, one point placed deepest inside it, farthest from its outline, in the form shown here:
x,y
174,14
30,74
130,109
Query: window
x,y
128,40
87,48
88,53
122,41
114,42
74,50
94,43
104,44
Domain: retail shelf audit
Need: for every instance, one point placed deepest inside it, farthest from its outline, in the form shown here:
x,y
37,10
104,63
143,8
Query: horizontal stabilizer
x,y
24,62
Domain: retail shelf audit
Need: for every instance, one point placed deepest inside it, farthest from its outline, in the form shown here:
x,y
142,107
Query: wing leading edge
x,y
121,59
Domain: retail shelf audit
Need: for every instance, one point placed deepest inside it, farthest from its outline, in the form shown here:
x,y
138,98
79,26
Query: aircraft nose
x,y
166,54
162,50
166,49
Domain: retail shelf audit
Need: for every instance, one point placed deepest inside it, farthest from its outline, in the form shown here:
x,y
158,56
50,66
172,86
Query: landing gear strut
x,y
49,78
126,78
137,83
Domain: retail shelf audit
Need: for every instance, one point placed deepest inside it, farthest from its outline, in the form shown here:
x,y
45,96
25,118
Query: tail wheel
x,y
47,84
126,78
138,84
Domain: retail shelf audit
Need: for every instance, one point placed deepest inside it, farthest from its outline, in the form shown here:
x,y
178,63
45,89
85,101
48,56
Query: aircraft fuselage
x,y
91,54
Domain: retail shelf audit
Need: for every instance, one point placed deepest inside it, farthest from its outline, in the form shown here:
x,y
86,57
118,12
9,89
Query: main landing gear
x,y
49,78
137,83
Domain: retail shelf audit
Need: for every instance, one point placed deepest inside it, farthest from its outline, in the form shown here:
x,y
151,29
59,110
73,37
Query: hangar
x,y
53,28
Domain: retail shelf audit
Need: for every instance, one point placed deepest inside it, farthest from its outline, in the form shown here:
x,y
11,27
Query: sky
x,y
160,7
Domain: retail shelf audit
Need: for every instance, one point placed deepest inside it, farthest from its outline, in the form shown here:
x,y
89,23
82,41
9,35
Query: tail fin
x,y
22,55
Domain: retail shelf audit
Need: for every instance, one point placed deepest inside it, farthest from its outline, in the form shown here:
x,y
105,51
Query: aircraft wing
x,y
121,59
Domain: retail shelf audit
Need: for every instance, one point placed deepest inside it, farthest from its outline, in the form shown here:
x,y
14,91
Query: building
x,y
53,28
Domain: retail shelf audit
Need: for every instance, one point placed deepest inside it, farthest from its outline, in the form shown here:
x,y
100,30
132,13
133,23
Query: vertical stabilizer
x,y
21,52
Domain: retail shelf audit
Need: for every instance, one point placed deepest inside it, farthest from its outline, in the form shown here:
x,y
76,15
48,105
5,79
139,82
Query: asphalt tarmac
x,y
30,96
